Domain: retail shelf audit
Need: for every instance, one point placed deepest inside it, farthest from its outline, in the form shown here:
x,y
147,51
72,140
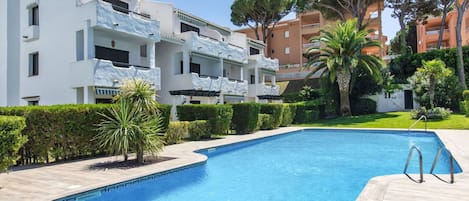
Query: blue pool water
x,y
304,165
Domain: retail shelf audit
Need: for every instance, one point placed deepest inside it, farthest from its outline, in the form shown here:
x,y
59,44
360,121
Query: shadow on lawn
x,y
355,119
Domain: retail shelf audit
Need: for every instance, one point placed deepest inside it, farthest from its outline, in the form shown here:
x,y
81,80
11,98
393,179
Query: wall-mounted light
x,y
113,43
25,37
151,34
116,24
115,81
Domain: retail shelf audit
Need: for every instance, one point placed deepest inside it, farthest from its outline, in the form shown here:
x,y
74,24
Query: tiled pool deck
x,y
56,181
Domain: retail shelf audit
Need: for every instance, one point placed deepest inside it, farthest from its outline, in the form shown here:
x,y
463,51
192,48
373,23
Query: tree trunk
x,y
403,35
431,91
460,60
126,157
140,154
442,27
343,80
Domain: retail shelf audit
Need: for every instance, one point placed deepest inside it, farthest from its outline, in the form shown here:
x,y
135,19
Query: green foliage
x,y
275,110
176,131
199,129
134,122
309,94
245,117
465,95
435,113
341,58
306,112
259,15
292,97
266,122
467,108
218,116
288,114
60,132
364,106
447,92
11,140
165,111
462,107
406,65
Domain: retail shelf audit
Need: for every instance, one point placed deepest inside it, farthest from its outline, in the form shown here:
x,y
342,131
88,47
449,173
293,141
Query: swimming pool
x,y
313,164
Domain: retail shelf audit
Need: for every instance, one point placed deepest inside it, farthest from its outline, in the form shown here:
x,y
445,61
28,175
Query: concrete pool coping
x,y
61,180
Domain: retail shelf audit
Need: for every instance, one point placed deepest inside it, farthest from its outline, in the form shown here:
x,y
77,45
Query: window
x,y
181,68
119,57
185,28
194,102
287,34
253,79
287,50
195,68
272,35
33,102
273,51
120,6
253,51
80,45
34,15
143,51
34,64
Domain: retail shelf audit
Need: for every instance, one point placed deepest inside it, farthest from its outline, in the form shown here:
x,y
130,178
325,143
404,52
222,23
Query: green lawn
x,y
391,120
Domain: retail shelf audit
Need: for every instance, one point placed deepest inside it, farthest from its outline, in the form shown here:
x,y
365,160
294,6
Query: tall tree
x,y
410,12
260,15
340,56
342,9
445,6
461,7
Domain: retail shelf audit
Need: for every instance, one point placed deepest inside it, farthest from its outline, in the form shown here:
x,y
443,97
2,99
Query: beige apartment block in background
x,y
427,35
291,38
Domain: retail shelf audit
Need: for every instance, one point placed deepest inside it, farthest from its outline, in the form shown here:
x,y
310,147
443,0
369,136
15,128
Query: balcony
x,y
212,47
311,28
261,61
105,73
311,45
263,89
30,33
110,17
432,35
210,83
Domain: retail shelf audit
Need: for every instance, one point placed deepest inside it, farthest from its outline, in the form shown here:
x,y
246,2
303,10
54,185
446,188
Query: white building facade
x,y
78,51
81,51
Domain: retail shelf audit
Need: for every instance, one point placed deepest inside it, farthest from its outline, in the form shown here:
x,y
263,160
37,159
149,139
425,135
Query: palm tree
x,y
341,55
133,123
433,70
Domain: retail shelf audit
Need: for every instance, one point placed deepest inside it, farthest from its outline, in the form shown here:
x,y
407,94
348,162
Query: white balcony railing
x,y
212,47
210,83
263,89
261,61
311,45
103,73
103,15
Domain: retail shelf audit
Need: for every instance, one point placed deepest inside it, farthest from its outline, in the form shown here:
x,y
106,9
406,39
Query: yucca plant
x,y
134,122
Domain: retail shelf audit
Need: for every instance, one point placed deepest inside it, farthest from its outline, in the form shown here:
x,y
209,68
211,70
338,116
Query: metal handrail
x,y
420,161
415,123
451,166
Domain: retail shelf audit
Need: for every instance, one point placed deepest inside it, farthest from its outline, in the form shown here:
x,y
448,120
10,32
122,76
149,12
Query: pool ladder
x,y
418,120
435,161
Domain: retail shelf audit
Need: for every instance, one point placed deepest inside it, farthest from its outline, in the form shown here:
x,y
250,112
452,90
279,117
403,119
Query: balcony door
x,y
195,68
118,57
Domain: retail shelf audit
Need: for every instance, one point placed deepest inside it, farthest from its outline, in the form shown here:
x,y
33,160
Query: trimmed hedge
x,y
306,112
288,115
364,106
218,116
199,129
467,108
11,140
275,110
465,95
61,132
176,132
245,117
265,122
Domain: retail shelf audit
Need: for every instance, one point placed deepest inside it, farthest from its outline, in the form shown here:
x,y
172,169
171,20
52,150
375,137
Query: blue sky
x,y
218,12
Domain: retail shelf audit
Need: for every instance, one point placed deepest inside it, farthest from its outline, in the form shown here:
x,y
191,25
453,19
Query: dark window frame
x,y
33,64
34,18
254,51
187,27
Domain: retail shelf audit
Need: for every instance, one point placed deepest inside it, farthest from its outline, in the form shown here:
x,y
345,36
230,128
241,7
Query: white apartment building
x,y
80,51
205,63
75,51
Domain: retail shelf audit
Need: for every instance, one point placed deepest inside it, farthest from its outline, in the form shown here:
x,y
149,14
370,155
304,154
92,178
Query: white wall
x,y
104,39
3,53
168,57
